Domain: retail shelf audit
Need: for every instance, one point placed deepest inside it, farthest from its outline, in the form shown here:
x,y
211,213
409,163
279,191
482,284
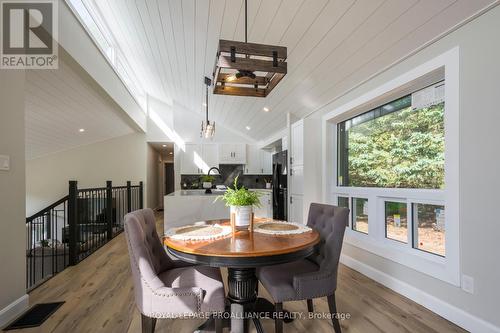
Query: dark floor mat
x,y
35,316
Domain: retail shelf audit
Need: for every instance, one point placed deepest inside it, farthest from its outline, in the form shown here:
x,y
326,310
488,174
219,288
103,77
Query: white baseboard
x,y
14,309
452,313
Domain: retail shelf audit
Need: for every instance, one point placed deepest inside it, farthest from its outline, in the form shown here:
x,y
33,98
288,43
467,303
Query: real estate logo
x,y
29,34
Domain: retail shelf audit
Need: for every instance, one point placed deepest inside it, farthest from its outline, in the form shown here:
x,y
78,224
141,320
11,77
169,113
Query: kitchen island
x,y
184,207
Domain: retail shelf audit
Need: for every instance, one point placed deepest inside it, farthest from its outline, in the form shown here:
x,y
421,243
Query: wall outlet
x,y
4,162
468,284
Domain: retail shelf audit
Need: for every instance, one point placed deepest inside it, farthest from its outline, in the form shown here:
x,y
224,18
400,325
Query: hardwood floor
x,y
99,298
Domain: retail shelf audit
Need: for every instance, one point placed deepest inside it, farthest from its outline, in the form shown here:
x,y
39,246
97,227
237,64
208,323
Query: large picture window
x,y
397,145
391,157
396,149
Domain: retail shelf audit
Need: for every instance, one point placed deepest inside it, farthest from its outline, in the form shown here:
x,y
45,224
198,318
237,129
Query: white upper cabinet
x,y
240,153
188,159
267,162
259,162
297,144
254,164
232,154
210,157
199,158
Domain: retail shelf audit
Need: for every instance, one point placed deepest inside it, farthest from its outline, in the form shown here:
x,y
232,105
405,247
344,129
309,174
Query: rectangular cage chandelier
x,y
248,69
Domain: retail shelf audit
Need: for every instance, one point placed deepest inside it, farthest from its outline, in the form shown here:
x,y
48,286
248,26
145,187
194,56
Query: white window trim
x,y
446,269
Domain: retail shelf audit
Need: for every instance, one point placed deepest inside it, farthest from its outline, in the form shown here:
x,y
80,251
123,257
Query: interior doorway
x,y
169,178
161,178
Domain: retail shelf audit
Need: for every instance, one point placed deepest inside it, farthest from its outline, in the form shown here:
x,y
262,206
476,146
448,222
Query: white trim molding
x,y
13,310
444,66
452,313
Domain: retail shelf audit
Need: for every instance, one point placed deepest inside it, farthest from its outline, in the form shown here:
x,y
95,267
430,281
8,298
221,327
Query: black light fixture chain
x,y
246,24
206,99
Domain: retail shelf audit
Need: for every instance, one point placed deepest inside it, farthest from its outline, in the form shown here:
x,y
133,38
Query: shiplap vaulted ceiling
x,y
332,46
58,103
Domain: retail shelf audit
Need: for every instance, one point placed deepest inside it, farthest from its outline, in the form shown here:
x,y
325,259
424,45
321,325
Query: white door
x,y
297,153
210,157
190,158
240,153
267,162
254,163
296,209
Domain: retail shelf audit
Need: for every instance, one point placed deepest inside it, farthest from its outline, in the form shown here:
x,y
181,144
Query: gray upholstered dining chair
x,y
315,276
165,288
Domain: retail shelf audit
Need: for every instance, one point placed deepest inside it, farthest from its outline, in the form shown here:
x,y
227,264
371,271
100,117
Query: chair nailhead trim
x,y
163,315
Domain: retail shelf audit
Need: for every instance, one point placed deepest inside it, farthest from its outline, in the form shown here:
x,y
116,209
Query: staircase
x,y
74,227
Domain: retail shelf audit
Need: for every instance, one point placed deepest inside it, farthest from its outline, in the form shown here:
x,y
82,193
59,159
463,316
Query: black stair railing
x,y
76,226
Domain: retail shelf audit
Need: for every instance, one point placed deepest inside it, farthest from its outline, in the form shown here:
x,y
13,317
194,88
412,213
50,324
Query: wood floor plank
x,y
99,298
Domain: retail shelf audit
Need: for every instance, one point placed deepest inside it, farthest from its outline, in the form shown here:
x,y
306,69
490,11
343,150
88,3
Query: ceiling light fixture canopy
x,y
248,69
207,127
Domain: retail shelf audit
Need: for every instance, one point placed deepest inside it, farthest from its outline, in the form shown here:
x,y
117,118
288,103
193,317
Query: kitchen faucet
x,y
213,168
208,190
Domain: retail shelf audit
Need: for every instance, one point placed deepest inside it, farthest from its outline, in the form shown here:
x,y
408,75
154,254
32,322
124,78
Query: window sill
x,y
423,262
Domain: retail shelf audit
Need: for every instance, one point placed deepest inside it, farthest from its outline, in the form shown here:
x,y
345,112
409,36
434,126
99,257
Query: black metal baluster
x,y
65,225
72,220
129,197
50,232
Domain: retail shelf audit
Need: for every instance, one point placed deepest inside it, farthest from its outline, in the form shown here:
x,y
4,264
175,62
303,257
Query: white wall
x,y
479,178
13,298
187,124
153,178
119,159
75,40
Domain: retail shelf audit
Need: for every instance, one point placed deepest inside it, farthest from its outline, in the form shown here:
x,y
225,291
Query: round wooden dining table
x,y
241,253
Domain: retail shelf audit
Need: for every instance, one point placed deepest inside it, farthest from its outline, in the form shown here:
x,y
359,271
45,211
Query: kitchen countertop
x,y
214,192
185,207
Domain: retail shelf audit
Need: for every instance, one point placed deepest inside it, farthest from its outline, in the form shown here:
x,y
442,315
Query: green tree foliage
x,y
403,149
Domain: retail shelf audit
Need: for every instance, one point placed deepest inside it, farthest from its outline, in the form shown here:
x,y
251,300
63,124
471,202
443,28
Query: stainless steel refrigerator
x,y
280,170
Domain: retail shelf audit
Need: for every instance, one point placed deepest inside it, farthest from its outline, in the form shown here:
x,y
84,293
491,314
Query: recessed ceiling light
x,y
81,130
266,109
248,128
170,153
164,146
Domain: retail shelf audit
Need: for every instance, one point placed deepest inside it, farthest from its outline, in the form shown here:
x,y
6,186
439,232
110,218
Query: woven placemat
x,y
280,228
198,232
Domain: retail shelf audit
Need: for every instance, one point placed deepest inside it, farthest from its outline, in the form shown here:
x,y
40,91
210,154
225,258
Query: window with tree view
x,y
386,156
393,146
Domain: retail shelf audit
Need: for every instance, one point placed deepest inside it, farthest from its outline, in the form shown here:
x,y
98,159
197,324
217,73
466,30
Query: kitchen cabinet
x,y
232,153
284,143
199,158
259,161
297,179
296,209
210,157
266,210
188,165
297,144
267,162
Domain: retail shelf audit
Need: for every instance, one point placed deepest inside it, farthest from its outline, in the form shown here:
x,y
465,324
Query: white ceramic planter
x,y
268,185
242,215
207,185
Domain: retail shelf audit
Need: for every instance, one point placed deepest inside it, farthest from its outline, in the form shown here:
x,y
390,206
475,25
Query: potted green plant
x,y
241,202
207,181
